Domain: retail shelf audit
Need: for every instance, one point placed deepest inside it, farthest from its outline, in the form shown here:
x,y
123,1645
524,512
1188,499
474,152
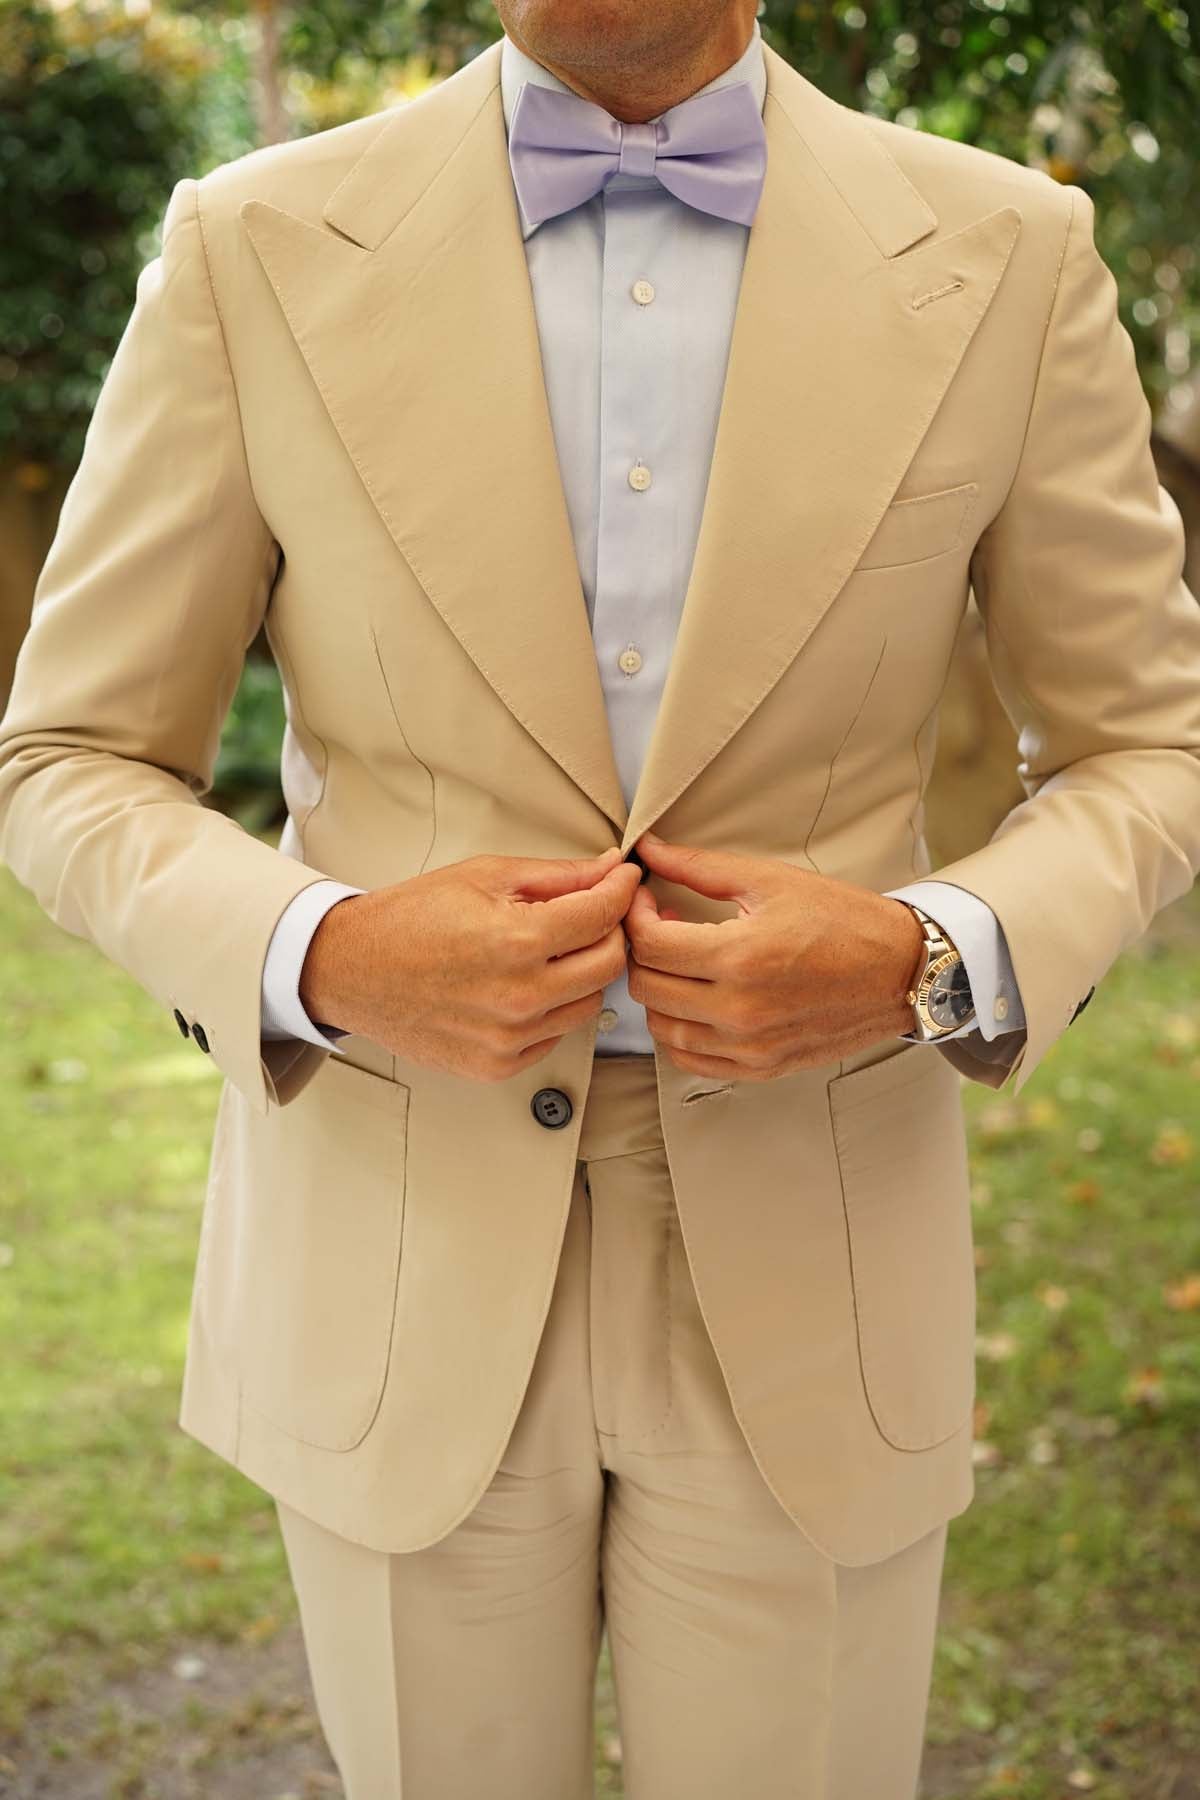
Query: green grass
x,y
118,1535
1068,1652
1069,1659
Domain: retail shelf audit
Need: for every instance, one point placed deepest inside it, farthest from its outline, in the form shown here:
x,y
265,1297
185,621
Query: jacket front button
x,y
200,1036
181,1022
551,1107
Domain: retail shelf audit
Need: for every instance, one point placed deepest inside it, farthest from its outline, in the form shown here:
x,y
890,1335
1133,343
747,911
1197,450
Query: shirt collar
x,y
516,68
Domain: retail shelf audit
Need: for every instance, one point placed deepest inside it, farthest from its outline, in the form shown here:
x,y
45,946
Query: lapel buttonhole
x,y
947,287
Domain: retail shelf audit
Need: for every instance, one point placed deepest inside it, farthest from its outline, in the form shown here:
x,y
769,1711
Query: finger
x,y
570,1015
716,1038
697,1064
643,904
542,878
572,921
588,970
691,1047
720,874
677,996
681,946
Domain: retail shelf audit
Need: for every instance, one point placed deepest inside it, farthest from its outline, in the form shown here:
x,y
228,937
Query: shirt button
x,y
639,477
606,1019
630,660
1001,1008
643,292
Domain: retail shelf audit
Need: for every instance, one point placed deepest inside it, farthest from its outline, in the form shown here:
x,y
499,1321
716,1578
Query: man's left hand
x,y
811,969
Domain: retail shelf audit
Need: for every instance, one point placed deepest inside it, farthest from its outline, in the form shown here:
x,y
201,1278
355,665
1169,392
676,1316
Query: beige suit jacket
x,y
327,410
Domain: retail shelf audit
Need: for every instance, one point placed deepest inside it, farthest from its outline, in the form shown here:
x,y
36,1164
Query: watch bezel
x,y
934,969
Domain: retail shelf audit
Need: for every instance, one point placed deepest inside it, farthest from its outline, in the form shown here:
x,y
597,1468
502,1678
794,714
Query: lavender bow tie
x,y
710,151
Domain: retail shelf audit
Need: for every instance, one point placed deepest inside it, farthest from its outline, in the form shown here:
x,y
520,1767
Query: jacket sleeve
x,y
153,589
1094,645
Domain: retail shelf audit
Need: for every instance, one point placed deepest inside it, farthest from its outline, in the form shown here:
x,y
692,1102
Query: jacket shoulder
x,y
298,175
963,181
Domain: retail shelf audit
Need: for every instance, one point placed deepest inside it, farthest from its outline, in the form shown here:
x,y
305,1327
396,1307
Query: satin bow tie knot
x,y
709,151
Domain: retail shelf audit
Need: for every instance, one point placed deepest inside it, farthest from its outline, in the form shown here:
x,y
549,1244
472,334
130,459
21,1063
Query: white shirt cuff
x,y
283,1014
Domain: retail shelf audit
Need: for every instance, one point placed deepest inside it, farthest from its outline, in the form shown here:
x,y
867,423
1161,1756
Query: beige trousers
x,y
745,1662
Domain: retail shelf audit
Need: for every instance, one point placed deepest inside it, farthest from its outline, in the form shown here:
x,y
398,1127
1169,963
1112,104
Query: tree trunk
x,y
31,496
273,124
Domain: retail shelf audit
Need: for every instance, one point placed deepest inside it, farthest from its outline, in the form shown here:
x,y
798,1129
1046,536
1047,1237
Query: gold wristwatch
x,y
941,992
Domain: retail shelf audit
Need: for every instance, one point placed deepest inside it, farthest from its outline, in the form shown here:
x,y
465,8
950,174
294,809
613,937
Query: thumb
x,y
720,874
545,878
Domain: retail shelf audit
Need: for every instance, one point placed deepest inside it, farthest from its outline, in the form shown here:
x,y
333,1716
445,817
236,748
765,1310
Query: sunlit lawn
x,y
1070,1643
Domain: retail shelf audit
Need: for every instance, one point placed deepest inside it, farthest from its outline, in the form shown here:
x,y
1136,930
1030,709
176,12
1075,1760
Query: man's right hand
x,y
478,968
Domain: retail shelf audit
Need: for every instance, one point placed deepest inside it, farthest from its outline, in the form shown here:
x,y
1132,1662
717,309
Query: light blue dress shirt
x,y
634,294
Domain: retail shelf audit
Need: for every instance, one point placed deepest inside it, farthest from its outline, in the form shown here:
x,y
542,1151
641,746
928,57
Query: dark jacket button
x,y
200,1036
181,1022
551,1107
1081,1005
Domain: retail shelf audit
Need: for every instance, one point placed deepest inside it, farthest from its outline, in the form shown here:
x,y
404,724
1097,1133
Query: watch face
x,y
949,1001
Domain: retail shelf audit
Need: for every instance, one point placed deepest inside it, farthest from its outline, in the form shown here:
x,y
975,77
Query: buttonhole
x,y
947,287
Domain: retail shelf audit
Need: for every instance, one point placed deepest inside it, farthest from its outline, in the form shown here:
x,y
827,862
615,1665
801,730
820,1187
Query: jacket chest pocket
x,y
900,1139
321,1217
921,527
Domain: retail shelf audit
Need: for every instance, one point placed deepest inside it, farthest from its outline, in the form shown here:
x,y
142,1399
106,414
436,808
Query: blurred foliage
x,y
100,114
246,776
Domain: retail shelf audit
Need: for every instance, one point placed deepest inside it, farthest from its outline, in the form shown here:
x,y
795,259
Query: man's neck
x,y
637,94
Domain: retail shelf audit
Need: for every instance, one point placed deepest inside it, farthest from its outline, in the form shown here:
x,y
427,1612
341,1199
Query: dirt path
x,y
233,1723
218,1721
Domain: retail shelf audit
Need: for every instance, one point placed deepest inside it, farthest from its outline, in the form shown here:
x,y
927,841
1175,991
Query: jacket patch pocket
x,y
900,1138
920,527
318,1257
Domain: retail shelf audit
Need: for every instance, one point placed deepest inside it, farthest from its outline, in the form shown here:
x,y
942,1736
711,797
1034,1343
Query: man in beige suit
x,y
525,1338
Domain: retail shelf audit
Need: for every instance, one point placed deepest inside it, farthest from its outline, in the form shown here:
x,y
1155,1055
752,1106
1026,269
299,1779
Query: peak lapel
x,y
415,316
832,380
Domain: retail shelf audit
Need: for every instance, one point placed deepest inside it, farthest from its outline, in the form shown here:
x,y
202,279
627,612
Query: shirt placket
x,y
638,492
637,500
